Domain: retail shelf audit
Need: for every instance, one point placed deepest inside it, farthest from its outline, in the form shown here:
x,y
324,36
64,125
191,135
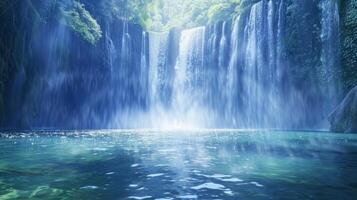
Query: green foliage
x,y
220,11
81,21
161,15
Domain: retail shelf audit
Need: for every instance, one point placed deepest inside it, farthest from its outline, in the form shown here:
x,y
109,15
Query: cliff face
x,y
349,43
344,117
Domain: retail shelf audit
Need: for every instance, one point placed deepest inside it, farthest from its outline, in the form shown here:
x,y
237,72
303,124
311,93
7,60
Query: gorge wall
x,y
349,43
273,66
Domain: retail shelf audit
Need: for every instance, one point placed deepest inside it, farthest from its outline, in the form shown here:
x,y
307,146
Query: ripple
x,y
166,150
231,180
257,184
222,177
210,185
155,175
89,187
187,197
218,176
135,165
133,185
139,198
228,192
99,149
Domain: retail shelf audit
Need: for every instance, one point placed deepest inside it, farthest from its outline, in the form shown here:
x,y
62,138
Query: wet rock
x,y
344,118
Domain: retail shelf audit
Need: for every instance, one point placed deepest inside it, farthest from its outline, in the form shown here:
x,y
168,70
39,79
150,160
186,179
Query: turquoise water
x,y
178,165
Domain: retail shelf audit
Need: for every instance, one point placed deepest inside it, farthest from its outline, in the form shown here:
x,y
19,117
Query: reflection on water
x,y
178,165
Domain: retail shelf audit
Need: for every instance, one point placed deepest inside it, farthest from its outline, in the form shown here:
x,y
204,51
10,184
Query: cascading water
x,y
240,79
231,74
330,43
157,55
144,67
262,88
231,91
188,92
237,78
253,68
111,51
223,59
125,46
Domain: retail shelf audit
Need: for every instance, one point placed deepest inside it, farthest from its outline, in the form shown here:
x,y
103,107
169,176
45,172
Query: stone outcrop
x,y
344,118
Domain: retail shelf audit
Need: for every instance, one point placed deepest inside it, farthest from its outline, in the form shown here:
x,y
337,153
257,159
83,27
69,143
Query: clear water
x,y
178,165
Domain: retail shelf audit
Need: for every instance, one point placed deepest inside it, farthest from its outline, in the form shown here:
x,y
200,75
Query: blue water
x,y
207,164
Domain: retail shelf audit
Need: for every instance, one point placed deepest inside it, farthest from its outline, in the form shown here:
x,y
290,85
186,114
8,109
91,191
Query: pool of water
x,y
216,164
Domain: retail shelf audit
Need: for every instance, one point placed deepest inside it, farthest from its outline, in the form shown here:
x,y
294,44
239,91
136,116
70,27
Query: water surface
x,y
216,164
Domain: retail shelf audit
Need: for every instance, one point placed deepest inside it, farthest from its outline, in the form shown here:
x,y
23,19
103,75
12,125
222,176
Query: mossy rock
x,y
81,22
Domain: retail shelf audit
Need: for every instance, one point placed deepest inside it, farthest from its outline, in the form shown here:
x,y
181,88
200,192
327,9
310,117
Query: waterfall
x,y
231,90
144,68
253,69
188,91
223,55
223,47
329,55
238,78
157,55
232,74
125,46
111,51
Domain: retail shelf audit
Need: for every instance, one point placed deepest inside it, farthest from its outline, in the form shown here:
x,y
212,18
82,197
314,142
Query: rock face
x,y
344,118
349,42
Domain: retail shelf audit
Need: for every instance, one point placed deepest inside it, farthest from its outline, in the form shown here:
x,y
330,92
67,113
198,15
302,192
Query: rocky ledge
x,y
344,117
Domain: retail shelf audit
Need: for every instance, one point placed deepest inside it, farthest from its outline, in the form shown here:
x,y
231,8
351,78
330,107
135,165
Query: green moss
x,y
81,21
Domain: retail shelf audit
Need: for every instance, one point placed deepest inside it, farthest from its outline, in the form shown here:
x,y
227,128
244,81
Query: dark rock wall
x,y
349,43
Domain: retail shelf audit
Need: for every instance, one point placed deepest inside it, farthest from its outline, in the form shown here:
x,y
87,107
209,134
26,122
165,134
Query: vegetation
x,y
161,15
165,14
81,22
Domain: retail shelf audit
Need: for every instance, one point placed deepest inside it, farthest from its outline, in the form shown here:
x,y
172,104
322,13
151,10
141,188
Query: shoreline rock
x,y
344,117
